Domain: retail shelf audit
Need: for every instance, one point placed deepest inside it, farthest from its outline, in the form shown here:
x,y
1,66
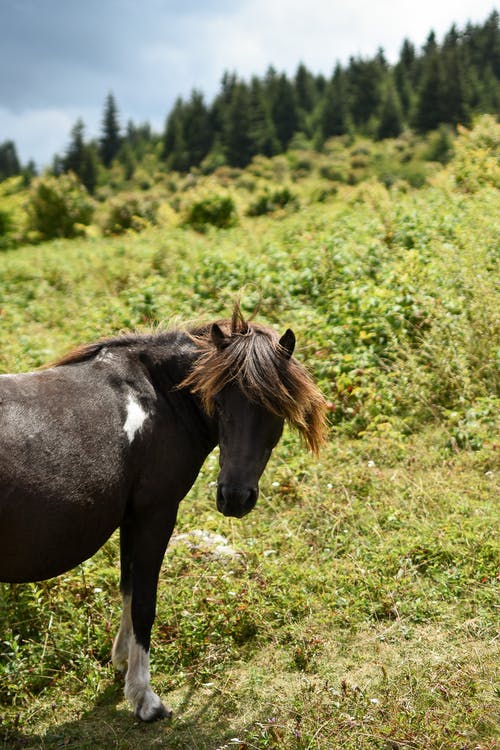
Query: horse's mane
x,y
87,351
252,356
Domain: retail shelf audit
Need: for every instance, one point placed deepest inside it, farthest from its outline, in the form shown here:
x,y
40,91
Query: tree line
x,y
443,83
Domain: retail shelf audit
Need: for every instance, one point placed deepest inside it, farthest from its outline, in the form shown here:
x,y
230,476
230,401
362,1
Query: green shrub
x,y
58,207
440,145
477,155
414,172
268,201
335,172
215,210
130,211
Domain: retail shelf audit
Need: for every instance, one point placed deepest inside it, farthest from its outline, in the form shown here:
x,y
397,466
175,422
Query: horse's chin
x,y
235,513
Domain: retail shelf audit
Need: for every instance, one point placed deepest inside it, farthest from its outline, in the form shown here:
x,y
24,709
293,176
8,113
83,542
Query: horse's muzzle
x,y
235,500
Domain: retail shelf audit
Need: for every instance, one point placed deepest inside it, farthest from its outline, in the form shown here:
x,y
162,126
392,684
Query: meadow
x,y
357,606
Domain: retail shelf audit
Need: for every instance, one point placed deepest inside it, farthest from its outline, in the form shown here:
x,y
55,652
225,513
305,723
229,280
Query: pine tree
x,y
74,157
491,35
81,158
236,136
457,89
127,158
391,113
110,141
429,105
334,115
174,144
138,138
222,101
284,111
29,171
364,79
481,59
405,76
90,167
197,129
261,130
9,161
188,134
305,91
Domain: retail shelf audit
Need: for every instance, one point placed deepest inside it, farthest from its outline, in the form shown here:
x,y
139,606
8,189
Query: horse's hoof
x,y
153,712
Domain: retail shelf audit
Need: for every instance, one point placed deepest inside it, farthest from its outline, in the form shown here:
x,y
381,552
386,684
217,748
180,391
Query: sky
x,y
60,58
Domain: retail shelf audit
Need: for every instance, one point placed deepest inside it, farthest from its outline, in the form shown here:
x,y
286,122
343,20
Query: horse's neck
x,y
171,360
168,363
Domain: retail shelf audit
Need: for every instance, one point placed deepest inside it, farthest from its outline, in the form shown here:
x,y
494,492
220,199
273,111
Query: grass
x,y
358,613
357,606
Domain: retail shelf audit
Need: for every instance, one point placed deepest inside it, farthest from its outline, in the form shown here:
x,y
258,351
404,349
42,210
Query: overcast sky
x,y
60,58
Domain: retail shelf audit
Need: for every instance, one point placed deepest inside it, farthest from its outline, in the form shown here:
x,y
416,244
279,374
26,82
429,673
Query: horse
x,y
114,434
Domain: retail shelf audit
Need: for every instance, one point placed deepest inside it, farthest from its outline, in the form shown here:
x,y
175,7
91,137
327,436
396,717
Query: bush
x,y
335,172
130,211
477,155
439,145
215,210
267,202
58,207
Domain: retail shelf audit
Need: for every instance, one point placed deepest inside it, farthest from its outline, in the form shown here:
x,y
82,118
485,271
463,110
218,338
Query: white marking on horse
x,y
147,705
119,654
105,355
136,416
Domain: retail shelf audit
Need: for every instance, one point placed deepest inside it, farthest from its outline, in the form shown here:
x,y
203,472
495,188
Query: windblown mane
x,y
252,356
87,351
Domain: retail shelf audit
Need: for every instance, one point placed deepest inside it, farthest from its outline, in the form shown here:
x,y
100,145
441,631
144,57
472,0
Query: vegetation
x,y
355,607
58,207
214,210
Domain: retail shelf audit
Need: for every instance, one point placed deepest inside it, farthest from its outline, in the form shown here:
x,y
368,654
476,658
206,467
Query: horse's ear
x,y
287,342
217,336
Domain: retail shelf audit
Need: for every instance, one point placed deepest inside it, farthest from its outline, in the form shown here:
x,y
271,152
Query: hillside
x,y
359,609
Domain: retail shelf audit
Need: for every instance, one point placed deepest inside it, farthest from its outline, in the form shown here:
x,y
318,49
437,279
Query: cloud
x,y
40,132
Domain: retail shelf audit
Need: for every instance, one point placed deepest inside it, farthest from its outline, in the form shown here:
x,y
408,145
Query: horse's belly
x,y
43,536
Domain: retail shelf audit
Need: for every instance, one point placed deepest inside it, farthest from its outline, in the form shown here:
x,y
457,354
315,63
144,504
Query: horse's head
x,y
247,435
250,384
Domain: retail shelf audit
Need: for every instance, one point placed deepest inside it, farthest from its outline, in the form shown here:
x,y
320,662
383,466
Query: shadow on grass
x,y
197,725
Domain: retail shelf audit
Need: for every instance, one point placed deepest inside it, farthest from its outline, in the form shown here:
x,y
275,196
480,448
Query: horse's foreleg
x,y
149,543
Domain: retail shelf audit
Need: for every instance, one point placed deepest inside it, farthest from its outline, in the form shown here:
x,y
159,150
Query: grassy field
x,y
357,606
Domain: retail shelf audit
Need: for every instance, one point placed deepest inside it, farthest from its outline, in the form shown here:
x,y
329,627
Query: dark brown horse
x,y
114,435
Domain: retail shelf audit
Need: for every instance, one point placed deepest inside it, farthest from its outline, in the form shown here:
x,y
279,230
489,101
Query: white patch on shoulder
x,y
136,416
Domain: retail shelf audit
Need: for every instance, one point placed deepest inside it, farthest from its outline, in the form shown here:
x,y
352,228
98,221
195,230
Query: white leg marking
x,y
119,654
146,704
136,416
